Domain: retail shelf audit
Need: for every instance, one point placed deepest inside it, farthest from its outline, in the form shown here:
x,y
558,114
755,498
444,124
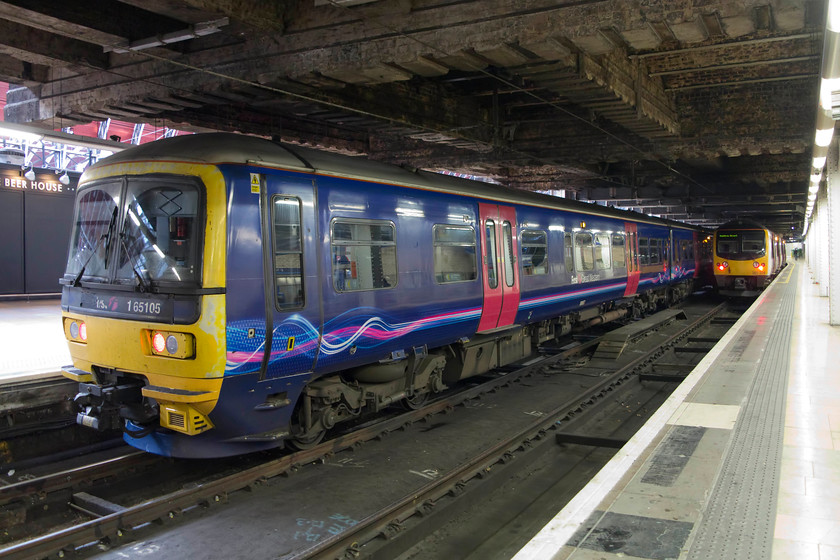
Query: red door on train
x,y
631,251
498,258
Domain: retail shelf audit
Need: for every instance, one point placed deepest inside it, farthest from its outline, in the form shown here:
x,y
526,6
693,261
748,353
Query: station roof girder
x,y
588,97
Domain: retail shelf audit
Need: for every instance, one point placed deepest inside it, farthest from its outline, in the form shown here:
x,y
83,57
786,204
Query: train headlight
x,y
75,330
755,264
723,266
158,343
172,344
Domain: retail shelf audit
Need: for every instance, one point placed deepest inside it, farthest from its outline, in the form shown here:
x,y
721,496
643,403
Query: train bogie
x,y
302,289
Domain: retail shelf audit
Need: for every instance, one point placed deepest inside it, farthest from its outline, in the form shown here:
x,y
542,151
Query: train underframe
x,y
410,378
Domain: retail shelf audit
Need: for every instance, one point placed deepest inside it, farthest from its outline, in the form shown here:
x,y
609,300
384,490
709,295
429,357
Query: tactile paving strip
x,y
741,513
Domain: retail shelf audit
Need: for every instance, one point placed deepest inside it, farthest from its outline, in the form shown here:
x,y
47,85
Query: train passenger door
x,y
632,252
291,257
498,258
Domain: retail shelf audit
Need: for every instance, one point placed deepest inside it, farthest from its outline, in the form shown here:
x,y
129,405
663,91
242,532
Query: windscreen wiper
x,y
143,284
106,235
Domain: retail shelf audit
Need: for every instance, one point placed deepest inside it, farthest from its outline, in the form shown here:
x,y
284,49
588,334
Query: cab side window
x,y
288,253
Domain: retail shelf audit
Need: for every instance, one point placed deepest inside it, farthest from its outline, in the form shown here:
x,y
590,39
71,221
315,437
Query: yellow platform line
x,y
790,273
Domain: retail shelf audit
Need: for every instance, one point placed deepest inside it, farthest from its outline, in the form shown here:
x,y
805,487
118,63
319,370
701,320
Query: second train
x,y
747,256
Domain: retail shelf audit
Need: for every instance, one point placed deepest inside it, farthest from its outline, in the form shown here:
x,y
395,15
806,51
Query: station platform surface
x,y
742,461
32,340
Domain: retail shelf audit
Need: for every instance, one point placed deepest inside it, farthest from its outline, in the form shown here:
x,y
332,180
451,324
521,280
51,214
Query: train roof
x,y
227,148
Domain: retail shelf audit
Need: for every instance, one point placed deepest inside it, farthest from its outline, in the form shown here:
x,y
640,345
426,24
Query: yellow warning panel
x,y
255,183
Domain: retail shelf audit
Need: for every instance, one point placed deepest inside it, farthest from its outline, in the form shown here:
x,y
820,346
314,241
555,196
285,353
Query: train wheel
x,y
415,401
308,441
301,438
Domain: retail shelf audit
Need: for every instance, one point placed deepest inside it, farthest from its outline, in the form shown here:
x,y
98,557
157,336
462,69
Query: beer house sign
x,y
43,183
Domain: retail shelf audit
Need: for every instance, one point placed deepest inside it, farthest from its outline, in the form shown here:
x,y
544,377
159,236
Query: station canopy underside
x,y
701,113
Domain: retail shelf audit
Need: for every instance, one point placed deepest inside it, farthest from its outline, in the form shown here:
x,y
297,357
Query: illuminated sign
x,y
43,183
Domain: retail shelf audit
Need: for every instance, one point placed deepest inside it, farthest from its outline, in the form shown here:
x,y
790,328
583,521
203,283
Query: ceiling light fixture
x,y
192,32
822,138
829,90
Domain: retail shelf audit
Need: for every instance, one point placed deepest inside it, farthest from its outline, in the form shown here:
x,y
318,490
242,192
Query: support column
x,y
833,240
822,219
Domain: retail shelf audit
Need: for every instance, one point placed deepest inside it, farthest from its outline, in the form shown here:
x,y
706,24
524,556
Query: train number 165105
x,y
144,307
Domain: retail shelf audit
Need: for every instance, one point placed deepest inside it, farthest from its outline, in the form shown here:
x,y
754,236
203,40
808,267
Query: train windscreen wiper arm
x,y
143,284
106,235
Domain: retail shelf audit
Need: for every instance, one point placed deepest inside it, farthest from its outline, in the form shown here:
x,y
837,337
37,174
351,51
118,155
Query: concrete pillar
x,y
813,245
833,233
824,245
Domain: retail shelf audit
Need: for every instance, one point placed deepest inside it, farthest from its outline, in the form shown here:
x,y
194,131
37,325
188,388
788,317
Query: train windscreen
x,y
741,244
142,232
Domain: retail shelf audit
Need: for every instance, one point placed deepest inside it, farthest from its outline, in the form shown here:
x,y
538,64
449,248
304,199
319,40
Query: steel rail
x,y
113,527
370,528
68,478
120,523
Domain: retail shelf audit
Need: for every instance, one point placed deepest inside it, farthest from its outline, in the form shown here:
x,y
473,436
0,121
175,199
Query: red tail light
x,y
159,342
77,331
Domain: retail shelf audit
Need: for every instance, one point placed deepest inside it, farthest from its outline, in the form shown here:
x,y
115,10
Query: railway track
x,y
112,524
377,535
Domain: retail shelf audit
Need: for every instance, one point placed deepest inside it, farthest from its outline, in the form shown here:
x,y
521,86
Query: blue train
x,y
226,294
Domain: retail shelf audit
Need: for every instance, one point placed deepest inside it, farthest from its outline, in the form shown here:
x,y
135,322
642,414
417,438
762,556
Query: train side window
x,y
509,257
490,240
288,253
364,255
632,251
684,250
568,253
534,245
643,251
654,251
454,253
584,251
618,252
602,251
